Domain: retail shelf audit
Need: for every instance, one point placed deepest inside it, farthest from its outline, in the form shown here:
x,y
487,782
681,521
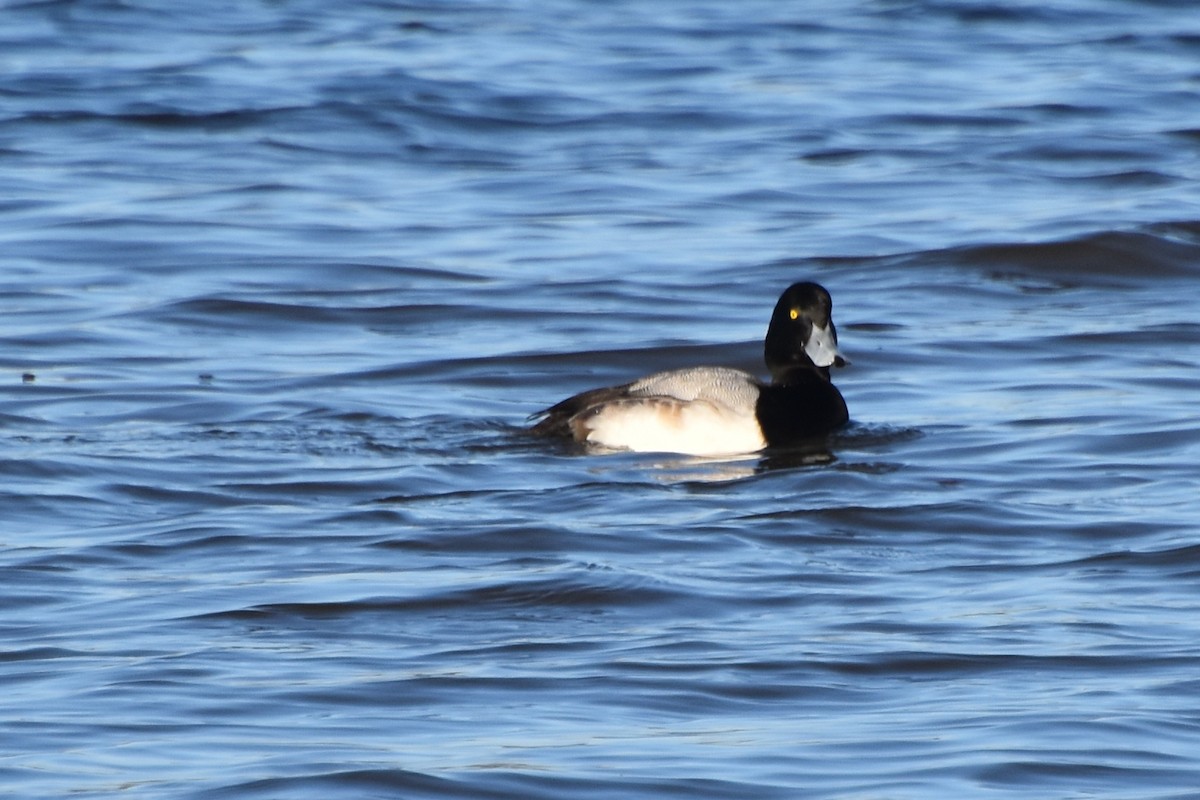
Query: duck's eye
x,y
794,313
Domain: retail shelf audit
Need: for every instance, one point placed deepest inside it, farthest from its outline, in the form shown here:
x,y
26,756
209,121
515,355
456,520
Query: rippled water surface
x,y
280,283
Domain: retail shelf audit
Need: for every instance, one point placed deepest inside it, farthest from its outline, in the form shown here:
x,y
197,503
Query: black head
x,y
801,333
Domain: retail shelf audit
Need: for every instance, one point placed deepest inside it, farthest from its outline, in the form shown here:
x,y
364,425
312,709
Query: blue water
x,y
280,283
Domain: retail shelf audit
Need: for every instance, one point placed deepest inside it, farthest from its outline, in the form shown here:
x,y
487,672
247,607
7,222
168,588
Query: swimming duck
x,y
711,411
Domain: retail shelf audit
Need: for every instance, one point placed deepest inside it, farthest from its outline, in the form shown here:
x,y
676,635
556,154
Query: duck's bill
x,y
822,348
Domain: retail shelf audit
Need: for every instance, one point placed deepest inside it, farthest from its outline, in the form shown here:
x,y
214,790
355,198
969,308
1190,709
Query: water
x,y
281,281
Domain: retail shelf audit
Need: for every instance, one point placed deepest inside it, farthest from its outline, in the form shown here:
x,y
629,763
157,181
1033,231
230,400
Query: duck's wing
x,y
556,420
723,386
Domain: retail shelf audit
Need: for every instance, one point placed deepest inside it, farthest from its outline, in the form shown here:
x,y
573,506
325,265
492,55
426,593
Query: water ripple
x,y
283,283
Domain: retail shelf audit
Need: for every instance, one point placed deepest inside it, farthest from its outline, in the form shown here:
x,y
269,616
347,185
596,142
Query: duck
x,y
721,411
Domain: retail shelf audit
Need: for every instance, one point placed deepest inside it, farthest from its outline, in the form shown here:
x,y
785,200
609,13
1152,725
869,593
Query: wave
x,y
1133,255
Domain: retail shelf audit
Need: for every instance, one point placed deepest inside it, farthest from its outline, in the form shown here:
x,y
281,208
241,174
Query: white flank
x,y
667,425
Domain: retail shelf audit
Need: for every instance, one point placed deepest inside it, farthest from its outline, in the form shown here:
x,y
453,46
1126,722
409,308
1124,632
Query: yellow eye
x,y
794,313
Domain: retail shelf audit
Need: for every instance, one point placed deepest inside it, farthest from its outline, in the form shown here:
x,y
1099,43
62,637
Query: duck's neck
x,y
793,374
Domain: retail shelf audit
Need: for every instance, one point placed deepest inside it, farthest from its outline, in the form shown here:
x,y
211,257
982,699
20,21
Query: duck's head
x,y
801,333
